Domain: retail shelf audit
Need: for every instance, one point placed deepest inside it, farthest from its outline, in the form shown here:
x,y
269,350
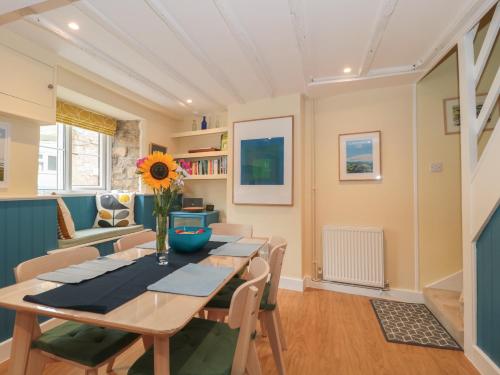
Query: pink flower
x,y
139,162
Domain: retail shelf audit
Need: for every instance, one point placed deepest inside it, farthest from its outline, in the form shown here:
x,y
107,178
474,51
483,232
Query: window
x,y
72,158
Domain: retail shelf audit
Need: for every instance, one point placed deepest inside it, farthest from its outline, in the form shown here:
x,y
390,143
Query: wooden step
x,y
446,307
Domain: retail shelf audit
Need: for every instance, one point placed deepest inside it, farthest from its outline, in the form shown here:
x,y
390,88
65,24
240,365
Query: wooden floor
x,y
331,333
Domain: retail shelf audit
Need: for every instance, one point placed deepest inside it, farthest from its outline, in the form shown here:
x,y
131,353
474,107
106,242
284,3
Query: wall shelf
x,y
200,155
208,177
194,133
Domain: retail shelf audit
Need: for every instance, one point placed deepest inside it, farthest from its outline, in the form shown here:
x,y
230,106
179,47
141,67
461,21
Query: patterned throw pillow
x,y
114,210
65,224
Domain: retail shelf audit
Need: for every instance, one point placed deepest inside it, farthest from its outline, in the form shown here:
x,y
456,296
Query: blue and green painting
x,y
263,161
359,156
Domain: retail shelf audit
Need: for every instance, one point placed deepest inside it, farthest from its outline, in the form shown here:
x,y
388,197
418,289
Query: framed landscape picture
x,y
359,156
154,147
263,161
4,154
451,108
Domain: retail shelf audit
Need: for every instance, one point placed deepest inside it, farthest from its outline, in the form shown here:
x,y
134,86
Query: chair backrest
x,y
232,229
244,310
47,263
277,246
132,240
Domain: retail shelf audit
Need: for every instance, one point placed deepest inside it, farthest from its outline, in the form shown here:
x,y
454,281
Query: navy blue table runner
x,y
111,290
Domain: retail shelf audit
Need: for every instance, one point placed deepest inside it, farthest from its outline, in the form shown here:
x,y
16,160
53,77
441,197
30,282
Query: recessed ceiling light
x,y
189,101
347,70
73,26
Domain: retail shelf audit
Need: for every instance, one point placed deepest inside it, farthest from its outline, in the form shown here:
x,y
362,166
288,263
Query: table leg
x,y
21,342
162,355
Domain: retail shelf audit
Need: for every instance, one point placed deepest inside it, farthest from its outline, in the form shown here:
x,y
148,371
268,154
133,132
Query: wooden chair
x,y
207,347
243,230
82,345
269,316
132,240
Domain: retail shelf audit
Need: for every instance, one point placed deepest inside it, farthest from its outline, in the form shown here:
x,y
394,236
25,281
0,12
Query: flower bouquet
x,y
161,173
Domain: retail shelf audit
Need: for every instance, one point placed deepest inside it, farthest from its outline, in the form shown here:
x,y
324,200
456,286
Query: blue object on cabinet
x,y
204,123
193,219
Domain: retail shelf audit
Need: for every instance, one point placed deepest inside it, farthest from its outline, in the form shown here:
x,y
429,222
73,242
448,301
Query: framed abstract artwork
x,y
451,108
359,156
263,161
4,154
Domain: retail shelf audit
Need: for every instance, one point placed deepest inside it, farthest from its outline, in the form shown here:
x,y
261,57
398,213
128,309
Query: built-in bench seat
x,y
93,235
83,211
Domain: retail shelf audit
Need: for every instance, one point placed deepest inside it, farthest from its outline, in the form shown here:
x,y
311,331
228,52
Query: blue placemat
x,y
192,280
111,290
225,238
233,249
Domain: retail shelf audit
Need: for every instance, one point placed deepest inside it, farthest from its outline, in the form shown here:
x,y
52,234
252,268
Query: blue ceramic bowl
x,y
188,243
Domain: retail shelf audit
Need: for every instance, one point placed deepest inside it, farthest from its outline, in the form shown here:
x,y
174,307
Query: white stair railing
x,y
480,178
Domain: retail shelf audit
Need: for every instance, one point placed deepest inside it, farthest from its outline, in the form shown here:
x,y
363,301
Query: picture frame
x,y
451,109
360,156
156,147
263,161
4,154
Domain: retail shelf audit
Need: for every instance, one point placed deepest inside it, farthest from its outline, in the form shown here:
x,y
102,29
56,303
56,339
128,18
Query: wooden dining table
x,y
154,315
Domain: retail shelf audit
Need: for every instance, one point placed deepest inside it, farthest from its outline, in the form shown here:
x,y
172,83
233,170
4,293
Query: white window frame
x,y
67,167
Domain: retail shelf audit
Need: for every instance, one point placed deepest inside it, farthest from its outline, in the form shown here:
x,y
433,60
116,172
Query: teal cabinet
x,y
193,219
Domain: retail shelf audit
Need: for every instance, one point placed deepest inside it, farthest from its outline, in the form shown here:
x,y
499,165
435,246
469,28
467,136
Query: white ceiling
x,y
220,52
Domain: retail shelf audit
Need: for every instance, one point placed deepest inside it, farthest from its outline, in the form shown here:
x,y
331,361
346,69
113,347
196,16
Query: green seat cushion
x,y
203,347
85,236
222,300
82,343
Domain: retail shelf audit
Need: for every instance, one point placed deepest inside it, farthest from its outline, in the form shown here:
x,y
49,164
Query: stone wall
x,y
125,152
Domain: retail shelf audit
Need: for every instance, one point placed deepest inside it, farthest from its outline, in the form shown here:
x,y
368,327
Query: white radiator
x,y
353,255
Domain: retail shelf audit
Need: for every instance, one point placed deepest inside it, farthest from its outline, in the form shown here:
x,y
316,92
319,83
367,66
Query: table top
x,y
151,313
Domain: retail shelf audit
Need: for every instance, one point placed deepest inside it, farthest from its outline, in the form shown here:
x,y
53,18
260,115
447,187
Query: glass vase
x,y
161,239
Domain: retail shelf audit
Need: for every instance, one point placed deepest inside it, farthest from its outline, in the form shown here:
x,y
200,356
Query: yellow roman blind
x,y
72,114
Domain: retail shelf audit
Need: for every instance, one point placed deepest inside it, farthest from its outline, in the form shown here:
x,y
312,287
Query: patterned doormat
x,y
413,324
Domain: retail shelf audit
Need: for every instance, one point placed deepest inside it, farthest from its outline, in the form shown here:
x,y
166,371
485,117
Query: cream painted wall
x,y
440,232
284,221
439,194
23,152
387,203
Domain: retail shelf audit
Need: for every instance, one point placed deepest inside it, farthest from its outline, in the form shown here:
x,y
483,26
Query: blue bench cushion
x,y
85,236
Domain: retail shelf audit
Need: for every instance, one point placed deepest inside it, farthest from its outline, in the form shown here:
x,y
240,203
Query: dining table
x,y
155,315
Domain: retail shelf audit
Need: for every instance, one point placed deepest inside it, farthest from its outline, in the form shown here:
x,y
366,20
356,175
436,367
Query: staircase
x,y
447,307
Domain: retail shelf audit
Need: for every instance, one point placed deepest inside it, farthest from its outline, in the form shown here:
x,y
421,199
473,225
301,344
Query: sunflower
x,y
158,170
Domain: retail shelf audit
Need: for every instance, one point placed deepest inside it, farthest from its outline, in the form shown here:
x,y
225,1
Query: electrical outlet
x,y
436,167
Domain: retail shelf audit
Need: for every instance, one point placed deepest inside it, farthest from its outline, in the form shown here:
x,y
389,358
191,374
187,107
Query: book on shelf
x,y
205,167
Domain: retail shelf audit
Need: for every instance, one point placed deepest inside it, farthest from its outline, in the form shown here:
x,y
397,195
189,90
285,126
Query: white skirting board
x,y
482,362
292,283
402,295
452,282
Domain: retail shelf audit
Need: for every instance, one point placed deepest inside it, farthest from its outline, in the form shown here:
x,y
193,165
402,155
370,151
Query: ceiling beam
x,y
246,44
465,21
36,7
384,15
211,68
105,22
299,27
97,53
381,73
